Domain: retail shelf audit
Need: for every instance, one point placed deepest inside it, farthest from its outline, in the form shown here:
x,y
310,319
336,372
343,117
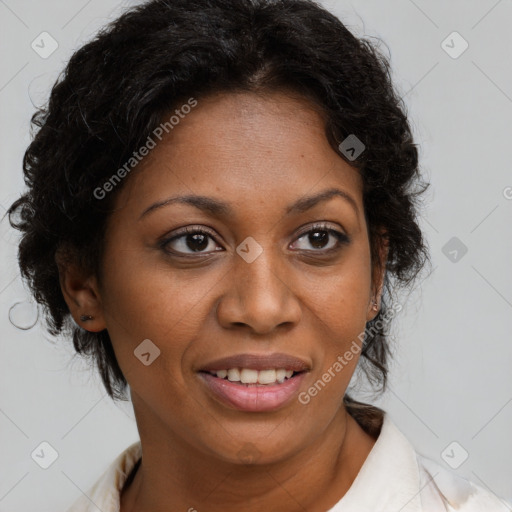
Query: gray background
x,y
450,381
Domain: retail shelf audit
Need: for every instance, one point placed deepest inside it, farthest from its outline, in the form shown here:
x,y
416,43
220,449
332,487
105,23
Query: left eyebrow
x,y
219,208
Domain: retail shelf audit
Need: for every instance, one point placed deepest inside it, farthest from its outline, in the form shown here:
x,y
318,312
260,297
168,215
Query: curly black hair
x,y
116,89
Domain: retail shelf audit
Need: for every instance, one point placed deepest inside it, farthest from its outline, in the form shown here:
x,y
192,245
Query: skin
x,y
259,153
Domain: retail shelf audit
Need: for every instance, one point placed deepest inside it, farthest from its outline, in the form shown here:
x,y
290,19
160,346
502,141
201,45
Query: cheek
x,y
148,300
339,305
147,295
340,297
337,361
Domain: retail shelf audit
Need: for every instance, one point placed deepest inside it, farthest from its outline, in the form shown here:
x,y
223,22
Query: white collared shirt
x,y
393,478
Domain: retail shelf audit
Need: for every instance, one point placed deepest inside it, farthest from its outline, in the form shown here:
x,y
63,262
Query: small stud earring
x,y
84,318
375,305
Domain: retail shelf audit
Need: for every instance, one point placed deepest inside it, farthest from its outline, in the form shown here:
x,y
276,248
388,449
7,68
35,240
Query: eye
x,y
320,237
193,239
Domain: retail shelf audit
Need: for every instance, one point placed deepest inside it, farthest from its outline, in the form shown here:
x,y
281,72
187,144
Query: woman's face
x,y
256,283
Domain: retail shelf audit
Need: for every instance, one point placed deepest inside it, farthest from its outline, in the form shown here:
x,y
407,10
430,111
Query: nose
x,y
260,295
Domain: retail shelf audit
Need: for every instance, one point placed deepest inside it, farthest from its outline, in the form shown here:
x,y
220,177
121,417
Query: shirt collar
x,y
389,478
105,494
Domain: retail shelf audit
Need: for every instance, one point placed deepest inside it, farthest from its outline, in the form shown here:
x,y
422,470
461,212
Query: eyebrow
x,y
219,208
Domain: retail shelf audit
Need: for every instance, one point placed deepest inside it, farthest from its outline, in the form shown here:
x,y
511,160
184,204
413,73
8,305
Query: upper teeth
x,y
249,376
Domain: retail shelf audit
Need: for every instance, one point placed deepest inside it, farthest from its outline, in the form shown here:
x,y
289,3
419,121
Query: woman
x,y
222,198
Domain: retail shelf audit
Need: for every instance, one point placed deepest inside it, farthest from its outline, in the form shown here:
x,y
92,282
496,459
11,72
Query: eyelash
x,y
341,238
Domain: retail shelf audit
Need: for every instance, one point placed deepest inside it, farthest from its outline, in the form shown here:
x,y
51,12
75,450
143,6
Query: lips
x,y
258,362
252,397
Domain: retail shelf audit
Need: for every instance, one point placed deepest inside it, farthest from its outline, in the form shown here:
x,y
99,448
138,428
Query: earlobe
x,y
81,294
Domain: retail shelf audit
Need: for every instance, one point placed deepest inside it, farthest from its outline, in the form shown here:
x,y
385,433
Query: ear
x,y
378,274
81,292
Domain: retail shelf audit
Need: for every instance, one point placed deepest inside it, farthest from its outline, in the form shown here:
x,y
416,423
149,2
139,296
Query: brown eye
x,y
194,240
321,238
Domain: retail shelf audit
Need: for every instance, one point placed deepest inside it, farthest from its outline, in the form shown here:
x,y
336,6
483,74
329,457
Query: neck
x,y
174,475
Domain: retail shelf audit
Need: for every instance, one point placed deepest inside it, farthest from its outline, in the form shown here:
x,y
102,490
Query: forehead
x,y
247,149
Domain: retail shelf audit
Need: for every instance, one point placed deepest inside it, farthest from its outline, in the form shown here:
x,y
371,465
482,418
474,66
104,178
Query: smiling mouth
x,y
252,396
254,378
